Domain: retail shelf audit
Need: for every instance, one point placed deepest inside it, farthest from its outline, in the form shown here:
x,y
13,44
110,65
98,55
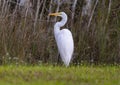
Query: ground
x,y
59,75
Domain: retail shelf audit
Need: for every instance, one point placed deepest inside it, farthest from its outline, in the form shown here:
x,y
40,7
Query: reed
x,y
26,34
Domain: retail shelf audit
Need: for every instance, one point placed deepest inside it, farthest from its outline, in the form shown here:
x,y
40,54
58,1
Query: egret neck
x,y
60,24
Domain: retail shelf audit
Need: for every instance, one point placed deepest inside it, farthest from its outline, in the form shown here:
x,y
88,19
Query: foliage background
x,y
26,33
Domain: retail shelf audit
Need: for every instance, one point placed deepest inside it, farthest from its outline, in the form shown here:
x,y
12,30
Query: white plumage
x,y
64,39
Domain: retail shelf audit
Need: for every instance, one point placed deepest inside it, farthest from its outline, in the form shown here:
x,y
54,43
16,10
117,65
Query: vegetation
x,y
26,34
27,42
49,75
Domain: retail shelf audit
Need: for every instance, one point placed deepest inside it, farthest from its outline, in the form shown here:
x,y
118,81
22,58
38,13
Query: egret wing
x,y
65,45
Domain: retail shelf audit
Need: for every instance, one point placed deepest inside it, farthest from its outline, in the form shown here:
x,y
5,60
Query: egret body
x,y
63,38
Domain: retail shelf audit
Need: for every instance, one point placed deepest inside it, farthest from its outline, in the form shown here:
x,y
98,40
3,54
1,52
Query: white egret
x,y
63,38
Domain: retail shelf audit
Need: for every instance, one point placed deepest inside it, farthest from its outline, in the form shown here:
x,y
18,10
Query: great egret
x,y
63,38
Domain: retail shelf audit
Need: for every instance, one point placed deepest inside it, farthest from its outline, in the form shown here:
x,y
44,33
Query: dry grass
x,y
27,36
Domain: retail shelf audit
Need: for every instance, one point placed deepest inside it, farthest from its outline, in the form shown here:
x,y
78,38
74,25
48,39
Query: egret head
x,y
62,15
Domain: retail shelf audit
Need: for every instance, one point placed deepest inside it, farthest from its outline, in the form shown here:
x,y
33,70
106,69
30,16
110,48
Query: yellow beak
x,y
54,14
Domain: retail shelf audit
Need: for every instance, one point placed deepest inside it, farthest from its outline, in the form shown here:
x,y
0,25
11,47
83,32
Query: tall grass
x,y
26,34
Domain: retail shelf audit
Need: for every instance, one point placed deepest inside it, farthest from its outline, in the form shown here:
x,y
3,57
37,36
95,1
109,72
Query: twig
x,y
92,14
58,7
109,10
37,12
48,17
73,12
41,14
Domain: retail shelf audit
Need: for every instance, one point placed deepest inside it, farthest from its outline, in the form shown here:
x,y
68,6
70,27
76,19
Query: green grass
x,y
50,75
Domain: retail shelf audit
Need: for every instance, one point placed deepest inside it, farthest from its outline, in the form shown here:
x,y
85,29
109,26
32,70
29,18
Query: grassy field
x,y
51,75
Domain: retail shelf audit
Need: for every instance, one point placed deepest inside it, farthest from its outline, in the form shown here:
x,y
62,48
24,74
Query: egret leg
x,y
58,58
59,62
